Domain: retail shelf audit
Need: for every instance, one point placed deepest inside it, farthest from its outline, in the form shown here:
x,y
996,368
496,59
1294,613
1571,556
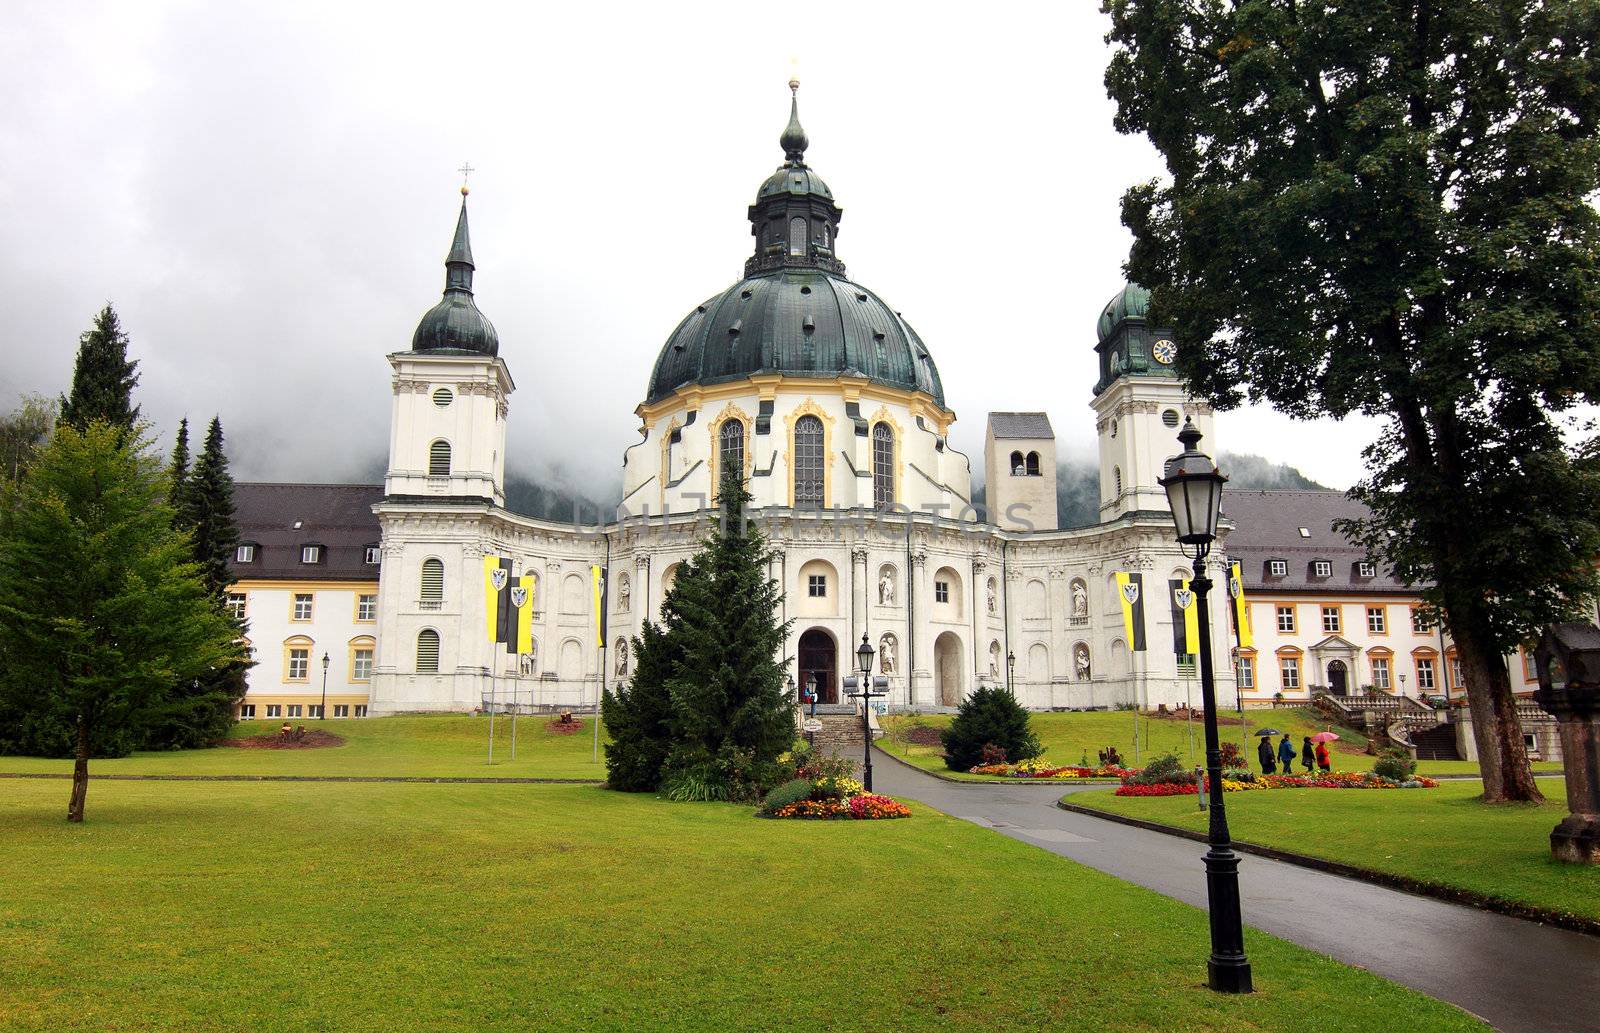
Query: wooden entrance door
x,y
1337,678
818,656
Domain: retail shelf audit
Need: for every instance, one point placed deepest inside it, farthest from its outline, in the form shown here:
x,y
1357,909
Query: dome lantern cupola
x,y
455,324
794,219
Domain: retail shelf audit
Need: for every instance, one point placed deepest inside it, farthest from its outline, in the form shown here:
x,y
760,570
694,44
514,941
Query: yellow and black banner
x,y
496,577
598,573
1130,589
1185,618
1240,608
522,609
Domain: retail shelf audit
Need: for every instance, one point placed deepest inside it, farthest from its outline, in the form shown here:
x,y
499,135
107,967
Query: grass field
x,y
1069,737
432,746
484,907
1442,835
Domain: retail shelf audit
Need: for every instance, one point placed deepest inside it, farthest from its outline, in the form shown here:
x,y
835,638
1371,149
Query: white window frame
x,y
1322,568
1278,568
341,710
314,711
247,711
357,662
366,607
361,710
1331,622
274,710
1286,622
245,553
1419,623
1380,673
1289,671
1365,569
1425,665
1377,620
238,603
303,663
294,710
310,554
1244,672
374,553
310,601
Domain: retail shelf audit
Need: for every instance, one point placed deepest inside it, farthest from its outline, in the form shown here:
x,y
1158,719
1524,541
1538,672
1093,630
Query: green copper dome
x,y
1131,302
795,312
455,324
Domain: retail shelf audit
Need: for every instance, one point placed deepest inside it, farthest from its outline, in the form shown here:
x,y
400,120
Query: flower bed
x,y
862,807
1042,769
1333,780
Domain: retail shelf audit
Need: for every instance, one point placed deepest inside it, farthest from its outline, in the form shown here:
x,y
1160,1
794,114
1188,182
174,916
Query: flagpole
x,y
514,702
600,689
491,705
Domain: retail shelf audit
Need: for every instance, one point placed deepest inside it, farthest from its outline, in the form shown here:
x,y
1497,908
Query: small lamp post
x,y
1011,670
1194,491
1402,683
1568,661
323,711
864,654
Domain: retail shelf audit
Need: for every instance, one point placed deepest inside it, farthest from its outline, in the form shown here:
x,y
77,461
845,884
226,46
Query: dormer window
x,y
245,553
374,554
1278,568
310,554
1322,568
1365,569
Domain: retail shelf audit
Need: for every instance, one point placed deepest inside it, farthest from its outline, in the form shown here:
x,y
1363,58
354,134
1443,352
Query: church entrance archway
x,y
1338,680
818,655
947,669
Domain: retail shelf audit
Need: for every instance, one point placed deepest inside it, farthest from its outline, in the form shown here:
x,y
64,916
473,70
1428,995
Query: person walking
x,y
1308,755
1324,762
1286,755
1266,756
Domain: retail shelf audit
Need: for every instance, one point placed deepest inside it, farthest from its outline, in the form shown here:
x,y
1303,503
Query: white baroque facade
x,y
832,407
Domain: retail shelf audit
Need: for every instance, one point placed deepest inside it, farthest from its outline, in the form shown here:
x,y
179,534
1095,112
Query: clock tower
x,y
1140,404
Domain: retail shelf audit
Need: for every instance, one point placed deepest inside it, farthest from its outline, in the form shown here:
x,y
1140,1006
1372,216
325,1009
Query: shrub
x,y
1395,765
988,716
1231,757
1166,769
792,791
992,754
699,784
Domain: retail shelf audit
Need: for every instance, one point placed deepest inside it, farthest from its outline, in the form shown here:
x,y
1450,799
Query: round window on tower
x,y
443,397
1170,417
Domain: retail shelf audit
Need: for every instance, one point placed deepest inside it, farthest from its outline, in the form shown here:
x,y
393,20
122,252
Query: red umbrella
x,y
1324,737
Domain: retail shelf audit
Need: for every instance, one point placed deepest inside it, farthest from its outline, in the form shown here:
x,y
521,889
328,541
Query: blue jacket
x,y
1286,754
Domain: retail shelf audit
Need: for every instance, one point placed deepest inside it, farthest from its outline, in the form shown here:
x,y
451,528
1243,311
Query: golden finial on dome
x,y
466,170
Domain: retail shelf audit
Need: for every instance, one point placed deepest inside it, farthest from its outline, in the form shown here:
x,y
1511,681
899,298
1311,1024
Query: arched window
x,y
730,449
427,651
882,465
432,592
439,459
1017,466
797,236
1116,474
808,485
1033,464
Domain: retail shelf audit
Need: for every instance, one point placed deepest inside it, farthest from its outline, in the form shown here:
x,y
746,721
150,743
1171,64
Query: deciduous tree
x,y
1385,207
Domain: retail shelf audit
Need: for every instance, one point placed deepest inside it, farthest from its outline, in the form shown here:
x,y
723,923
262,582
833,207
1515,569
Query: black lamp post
x,y
864,653
323,712
1011,669
1194,491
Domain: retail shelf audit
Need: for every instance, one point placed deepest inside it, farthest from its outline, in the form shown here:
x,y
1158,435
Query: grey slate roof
x,y
1021,425
1267,527
337,517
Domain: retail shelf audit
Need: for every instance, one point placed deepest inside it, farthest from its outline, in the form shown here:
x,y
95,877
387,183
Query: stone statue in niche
x,y
991,598
1080,599
1080,661
528,663
994,660
886,659
886,587
624,594
622,657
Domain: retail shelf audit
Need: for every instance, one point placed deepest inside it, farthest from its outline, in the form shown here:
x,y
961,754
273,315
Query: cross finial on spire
x,y
793,141
466,170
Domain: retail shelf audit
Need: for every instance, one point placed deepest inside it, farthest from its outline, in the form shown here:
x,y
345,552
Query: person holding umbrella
x,y
1324,761
1308,755
1264,752
1286,755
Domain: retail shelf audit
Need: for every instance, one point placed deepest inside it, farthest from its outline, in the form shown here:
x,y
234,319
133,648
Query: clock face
x,y
1164,351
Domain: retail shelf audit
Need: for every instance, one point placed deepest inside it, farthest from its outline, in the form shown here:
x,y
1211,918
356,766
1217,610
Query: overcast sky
x,y
266,193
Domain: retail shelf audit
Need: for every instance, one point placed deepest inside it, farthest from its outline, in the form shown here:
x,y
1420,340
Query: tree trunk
x,y
1502,755
80,772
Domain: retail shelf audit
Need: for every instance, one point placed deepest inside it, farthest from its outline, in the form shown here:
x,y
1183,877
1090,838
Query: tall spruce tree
x,y
1386,208
205,507
103,378
102,610
178,468
727,690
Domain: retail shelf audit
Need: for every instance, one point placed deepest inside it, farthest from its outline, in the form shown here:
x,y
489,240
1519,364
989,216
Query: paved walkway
x,y
1516,974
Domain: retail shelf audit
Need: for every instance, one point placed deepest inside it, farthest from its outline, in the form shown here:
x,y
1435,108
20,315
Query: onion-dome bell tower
x,y
447,430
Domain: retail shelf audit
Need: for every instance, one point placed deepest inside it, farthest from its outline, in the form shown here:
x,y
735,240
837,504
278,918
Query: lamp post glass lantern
x,y
1194,492
322,712
1011,669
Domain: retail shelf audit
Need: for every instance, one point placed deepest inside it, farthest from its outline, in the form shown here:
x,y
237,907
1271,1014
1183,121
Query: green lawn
x,y
386,907
1443,836
431,746
1069,737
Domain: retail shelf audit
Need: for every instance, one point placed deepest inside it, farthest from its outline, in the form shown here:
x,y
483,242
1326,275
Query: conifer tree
x,y
125,617
638,715
206,508
103,378
728,689
178,469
